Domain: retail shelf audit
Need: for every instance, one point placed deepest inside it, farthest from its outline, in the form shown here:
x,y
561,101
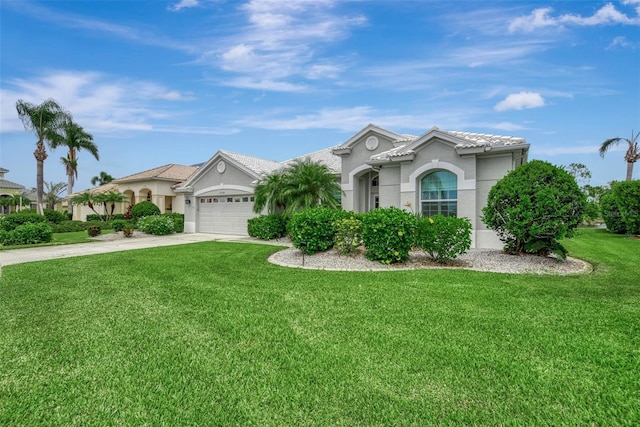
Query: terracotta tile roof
x,y
170,172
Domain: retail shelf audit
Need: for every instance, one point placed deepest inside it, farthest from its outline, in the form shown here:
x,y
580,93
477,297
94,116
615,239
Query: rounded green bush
x,y
312,229
348,234
388,234
55,217
533,207
144,208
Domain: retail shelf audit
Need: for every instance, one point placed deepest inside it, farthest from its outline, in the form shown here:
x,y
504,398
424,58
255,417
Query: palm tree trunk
x,y
69,192
629,171
40,154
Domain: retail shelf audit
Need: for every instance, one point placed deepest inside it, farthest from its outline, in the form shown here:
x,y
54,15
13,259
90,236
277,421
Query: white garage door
x,y
224,214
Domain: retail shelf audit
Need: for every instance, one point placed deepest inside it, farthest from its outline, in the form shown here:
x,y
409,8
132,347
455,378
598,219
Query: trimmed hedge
x,y
27,234
13,220
95,217
627,196
267,227
56,217
611,213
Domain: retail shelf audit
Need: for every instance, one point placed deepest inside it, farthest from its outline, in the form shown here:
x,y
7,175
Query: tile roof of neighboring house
x,y
326,157
170,172
10,184
104,188
256,164
3,170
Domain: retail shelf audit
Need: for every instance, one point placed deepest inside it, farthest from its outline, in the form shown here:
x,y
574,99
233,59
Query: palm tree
x,y
87,199
311,184
303,184
75,139
631,156
110,198
269,193
52,195
103,178
45,120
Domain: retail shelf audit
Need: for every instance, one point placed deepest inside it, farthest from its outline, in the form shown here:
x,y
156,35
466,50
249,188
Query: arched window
x,y
439,194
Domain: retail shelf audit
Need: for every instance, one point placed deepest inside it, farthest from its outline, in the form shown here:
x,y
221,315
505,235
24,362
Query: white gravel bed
x,y
475,259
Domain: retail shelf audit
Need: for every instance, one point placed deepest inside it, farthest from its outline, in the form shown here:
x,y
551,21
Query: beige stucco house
x,y
155,185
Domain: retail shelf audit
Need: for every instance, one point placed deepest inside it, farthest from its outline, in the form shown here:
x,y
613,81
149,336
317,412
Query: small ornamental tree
x,y
533,207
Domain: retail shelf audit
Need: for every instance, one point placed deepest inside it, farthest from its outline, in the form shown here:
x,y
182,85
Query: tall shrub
x,y
627,197
28,234
267,227
11,221
388,234
611,213
533,207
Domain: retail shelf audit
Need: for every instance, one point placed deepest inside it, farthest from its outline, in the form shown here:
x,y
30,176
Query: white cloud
x,y
98,102
183,4
541,18
621,42
280,43
520,101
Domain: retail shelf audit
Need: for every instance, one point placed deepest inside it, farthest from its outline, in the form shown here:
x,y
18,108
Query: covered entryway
x,y
224,214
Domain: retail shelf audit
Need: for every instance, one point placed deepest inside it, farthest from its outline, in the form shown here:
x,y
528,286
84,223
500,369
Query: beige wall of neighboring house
x,y
156,185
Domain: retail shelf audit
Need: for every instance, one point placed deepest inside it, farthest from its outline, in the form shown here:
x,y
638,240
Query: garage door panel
x,y
224,217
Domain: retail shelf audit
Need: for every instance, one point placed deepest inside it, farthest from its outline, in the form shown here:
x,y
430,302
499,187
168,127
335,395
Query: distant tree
x,y
579,172
632,154
45,120
54,193
103,178
75,139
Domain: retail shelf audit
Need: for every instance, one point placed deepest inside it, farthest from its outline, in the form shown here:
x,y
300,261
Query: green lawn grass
x,y
211,334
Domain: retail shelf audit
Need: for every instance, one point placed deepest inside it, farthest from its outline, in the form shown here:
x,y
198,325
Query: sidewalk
x,y
19,256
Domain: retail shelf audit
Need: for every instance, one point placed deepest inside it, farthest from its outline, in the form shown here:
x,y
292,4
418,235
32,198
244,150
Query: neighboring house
x,y
10,189
439,172
155,185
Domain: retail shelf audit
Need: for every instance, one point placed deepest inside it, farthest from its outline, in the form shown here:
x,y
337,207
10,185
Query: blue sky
x,y
160,82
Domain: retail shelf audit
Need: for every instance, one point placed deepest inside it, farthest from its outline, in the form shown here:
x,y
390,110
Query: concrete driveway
x,y
19,256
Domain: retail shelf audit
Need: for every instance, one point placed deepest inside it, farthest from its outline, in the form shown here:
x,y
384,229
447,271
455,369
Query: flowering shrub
x,y
388,234
312,229
156,224
443,238
27,234
348,234
267,227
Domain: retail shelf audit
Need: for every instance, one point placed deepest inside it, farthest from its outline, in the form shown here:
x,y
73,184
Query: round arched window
x,y
439,194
